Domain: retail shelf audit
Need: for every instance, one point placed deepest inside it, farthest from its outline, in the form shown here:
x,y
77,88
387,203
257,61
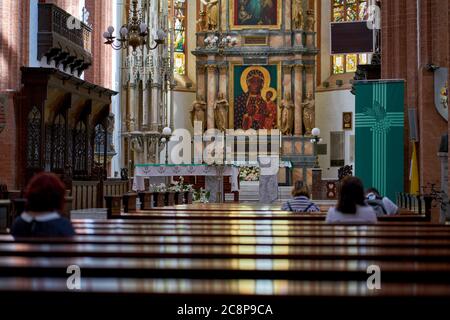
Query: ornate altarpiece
x,y
276,40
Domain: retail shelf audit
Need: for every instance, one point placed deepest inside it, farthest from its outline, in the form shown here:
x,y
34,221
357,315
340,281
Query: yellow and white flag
x,y
414,173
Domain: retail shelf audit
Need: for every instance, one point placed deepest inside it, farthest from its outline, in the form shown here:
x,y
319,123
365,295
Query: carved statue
x,y
202,21
137,144
124,174
297,14
152,142
198,112
287,115
308,113
221,113
212,12
310,21
110,123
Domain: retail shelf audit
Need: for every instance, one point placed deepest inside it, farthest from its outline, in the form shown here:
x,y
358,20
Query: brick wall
x,y
14,26
401,59
101,13
14,51
70,6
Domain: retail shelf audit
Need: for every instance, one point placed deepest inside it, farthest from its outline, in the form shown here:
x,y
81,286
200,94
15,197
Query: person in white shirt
x,y
381,205
351,207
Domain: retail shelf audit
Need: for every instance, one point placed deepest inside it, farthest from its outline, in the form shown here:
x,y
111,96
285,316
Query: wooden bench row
x,y
324,241
173,258
147,199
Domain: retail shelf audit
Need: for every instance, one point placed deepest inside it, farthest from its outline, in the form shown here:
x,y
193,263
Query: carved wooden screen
x,y
80,148
33,143
58,143
99,144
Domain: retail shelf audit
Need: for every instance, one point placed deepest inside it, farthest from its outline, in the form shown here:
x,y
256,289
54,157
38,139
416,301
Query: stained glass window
x,y
351,62
349,10
178,11
338,64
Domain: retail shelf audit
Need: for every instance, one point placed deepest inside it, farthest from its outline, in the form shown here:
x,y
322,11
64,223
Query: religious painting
x,y
347,118
254,97
255,14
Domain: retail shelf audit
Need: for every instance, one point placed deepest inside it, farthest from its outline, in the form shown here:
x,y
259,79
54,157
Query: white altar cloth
x,y
142,171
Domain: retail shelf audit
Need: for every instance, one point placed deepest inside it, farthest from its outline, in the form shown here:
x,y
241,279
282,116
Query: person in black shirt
x,y
45,200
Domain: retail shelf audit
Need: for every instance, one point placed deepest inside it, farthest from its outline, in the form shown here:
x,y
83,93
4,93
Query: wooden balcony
x,y
63,40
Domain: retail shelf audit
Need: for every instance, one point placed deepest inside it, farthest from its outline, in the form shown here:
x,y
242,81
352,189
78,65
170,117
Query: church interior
x,y
225,158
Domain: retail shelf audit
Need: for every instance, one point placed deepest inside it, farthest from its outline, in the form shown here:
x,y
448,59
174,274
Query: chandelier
x,y
133,34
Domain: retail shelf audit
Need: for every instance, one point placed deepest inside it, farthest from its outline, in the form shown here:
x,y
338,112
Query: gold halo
x,y
263,70
274,94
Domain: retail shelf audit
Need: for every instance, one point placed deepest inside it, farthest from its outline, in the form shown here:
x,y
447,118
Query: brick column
x,y
14,51
101,16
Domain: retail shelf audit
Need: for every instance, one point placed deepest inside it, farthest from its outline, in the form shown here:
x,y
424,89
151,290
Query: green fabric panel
x,y
379,130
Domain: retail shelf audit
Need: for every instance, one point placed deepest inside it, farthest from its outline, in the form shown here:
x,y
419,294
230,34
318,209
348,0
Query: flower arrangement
x,y
184,187
158,188
176,187
201,196
249,174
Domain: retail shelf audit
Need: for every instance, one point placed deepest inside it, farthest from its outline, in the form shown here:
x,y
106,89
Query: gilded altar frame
x,y
234,26
232,90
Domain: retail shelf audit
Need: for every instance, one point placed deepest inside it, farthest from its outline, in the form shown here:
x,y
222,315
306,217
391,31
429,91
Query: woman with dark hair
x,y
45,200
351,207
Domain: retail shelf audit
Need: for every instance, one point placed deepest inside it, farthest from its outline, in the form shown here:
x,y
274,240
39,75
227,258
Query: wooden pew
x,y
249,215
257,240
132,297
220,257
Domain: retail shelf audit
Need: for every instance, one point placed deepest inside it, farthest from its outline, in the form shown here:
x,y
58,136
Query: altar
x,y
268,182
213,175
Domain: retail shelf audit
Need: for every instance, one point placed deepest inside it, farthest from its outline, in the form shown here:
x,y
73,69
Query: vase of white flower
x,y
201,196
176,188
249,174
188,193
159,196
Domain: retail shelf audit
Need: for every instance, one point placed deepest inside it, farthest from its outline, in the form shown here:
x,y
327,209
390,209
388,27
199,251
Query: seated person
x,y
351,207
381,205
45,200
300,202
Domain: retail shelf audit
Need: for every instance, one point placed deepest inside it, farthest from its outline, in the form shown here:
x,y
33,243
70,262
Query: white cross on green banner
x,y
379,127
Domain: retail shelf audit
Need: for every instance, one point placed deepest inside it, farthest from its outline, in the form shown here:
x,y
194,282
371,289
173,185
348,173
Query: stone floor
x,y
95,213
